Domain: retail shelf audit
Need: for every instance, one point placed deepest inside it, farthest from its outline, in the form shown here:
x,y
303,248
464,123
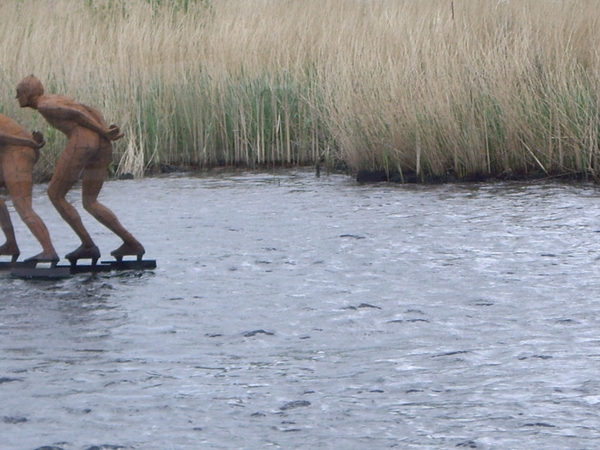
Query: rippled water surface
x,y
294,312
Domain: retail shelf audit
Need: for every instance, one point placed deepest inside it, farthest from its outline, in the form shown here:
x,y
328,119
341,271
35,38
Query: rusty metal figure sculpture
x,y
88,152
19,151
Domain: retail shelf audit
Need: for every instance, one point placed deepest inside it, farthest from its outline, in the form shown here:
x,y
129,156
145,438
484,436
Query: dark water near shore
x,y
295,312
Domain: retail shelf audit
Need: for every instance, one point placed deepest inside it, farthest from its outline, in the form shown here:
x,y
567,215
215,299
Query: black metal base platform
x,y
31,270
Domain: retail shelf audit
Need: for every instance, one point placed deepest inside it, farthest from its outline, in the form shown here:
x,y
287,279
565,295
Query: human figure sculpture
x,y
88,152
19,151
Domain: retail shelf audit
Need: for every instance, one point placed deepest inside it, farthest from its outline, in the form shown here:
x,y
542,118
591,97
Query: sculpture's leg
x,y
66,174
18,165
10,248
94,175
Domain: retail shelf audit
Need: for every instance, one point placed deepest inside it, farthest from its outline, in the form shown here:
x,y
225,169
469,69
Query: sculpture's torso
x,y
50,107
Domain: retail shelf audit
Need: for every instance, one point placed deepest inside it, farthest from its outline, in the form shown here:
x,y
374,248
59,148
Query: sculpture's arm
x,y
9,139
81,118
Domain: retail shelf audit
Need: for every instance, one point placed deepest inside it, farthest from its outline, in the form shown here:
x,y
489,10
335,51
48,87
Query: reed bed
x,y
467,87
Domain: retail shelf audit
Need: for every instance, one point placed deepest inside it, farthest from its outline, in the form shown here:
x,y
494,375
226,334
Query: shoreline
x,y
367,176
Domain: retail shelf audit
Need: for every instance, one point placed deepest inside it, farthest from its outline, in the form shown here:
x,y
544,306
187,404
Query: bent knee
x,y
89,204
22,206
54,195
51,192
28,215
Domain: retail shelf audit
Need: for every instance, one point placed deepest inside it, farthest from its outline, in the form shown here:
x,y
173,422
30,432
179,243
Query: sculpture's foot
x,y
51,258
83,252
126,249
10,250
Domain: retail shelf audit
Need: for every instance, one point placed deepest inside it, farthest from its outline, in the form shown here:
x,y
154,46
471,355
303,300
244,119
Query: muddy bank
x,y
411,177
365,176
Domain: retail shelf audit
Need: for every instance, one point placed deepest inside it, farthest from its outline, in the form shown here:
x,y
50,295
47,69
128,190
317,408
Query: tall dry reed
x,y
427,87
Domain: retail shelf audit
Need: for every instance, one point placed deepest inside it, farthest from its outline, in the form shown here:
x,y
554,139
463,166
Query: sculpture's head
x,y
28,90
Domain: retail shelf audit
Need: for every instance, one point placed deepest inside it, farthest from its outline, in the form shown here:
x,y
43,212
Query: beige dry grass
x,y
468,86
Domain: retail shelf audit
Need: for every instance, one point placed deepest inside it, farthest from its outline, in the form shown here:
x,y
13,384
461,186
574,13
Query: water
x,y
294,312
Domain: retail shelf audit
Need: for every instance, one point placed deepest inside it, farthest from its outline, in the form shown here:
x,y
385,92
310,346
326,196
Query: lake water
x,y
295,312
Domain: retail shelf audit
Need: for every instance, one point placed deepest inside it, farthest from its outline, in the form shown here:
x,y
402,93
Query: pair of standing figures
x,y
88,153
